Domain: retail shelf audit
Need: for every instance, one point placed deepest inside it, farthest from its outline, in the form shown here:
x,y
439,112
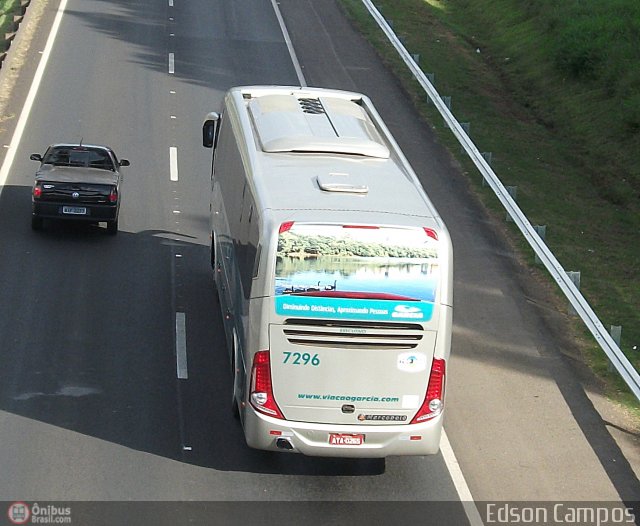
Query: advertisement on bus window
x,y
356,272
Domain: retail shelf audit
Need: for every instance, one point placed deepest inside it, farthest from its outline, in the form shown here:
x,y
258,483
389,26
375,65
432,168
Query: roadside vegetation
x,y
8,9
552,89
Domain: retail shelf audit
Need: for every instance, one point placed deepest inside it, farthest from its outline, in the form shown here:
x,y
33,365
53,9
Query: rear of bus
x,y
359,334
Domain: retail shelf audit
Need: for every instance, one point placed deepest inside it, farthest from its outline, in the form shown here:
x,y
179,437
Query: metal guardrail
x,y
617,358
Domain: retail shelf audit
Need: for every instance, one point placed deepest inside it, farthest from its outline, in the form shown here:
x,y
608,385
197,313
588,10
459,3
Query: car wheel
x,y
36,223
112,227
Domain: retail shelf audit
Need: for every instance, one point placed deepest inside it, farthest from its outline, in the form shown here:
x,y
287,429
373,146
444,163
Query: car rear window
x,y
79,156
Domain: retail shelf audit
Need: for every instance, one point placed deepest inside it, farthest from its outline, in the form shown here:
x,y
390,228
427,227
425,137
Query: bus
x,y
334,276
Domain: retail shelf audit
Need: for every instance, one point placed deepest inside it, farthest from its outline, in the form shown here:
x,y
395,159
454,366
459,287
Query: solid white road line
x,y
287,40
181,346
26,109
173,163
172,62
459,481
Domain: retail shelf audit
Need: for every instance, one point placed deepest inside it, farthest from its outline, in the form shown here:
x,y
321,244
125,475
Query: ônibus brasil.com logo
x,y
19,513
22,513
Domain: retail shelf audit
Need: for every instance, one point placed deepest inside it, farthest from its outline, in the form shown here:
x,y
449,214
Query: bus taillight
x,y
431,233
261,390
434,400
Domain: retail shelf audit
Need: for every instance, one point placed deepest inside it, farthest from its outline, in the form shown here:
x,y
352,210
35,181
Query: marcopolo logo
x,y
23,513
382,418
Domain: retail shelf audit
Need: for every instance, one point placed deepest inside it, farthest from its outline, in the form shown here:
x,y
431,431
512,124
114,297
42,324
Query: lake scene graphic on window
x,y
357,272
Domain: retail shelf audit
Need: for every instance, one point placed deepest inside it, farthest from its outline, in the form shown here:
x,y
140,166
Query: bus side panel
x,y
226,212
223,247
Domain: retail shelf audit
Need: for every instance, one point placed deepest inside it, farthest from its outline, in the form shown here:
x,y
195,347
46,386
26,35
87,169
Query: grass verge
x,y
8,8
563,131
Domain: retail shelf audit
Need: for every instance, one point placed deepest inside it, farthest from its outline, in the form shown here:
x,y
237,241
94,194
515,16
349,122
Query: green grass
x,y
552,89
7,9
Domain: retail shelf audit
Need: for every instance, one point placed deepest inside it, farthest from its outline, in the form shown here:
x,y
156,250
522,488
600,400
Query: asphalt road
x,y
90,404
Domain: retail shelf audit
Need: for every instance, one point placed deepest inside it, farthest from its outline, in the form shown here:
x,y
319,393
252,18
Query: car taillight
x,y
37,191
113,195
261,390
434,401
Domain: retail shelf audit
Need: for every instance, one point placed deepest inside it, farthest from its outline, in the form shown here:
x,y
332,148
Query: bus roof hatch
x,y
291,123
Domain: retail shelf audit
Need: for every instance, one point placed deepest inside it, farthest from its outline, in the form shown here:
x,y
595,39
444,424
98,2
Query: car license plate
x,y
339,439
74,210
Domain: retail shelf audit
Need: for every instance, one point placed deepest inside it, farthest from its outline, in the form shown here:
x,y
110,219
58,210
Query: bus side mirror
x,y
209,129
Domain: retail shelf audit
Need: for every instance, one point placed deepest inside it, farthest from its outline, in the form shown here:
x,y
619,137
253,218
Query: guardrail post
x,y
541,230
616,334
488,157
575,277
513,192
447,102
416,58
466,126
431,77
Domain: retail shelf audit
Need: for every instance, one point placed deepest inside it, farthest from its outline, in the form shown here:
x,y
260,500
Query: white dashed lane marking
x,y
173,163
181,346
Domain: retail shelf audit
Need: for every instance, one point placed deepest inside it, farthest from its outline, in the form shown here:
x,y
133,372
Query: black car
x,y
78,182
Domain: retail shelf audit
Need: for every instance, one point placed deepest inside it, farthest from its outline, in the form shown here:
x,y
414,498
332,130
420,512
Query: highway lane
x,y
87,342
518,417
90,404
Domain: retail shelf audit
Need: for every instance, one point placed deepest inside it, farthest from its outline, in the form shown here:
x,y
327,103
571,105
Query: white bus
x,y
334,274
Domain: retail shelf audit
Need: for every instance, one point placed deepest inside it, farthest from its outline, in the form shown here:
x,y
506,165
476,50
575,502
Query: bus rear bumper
x,y
264,432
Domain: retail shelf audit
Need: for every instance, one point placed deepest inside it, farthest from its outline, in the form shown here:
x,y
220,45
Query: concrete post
x,y
541,230
616,334
575,277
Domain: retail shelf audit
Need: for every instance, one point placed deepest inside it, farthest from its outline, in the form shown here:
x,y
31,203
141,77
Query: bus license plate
x,y
339,439
74,210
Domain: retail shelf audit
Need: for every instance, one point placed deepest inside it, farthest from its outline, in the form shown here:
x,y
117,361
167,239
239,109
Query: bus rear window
x,y
328,270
